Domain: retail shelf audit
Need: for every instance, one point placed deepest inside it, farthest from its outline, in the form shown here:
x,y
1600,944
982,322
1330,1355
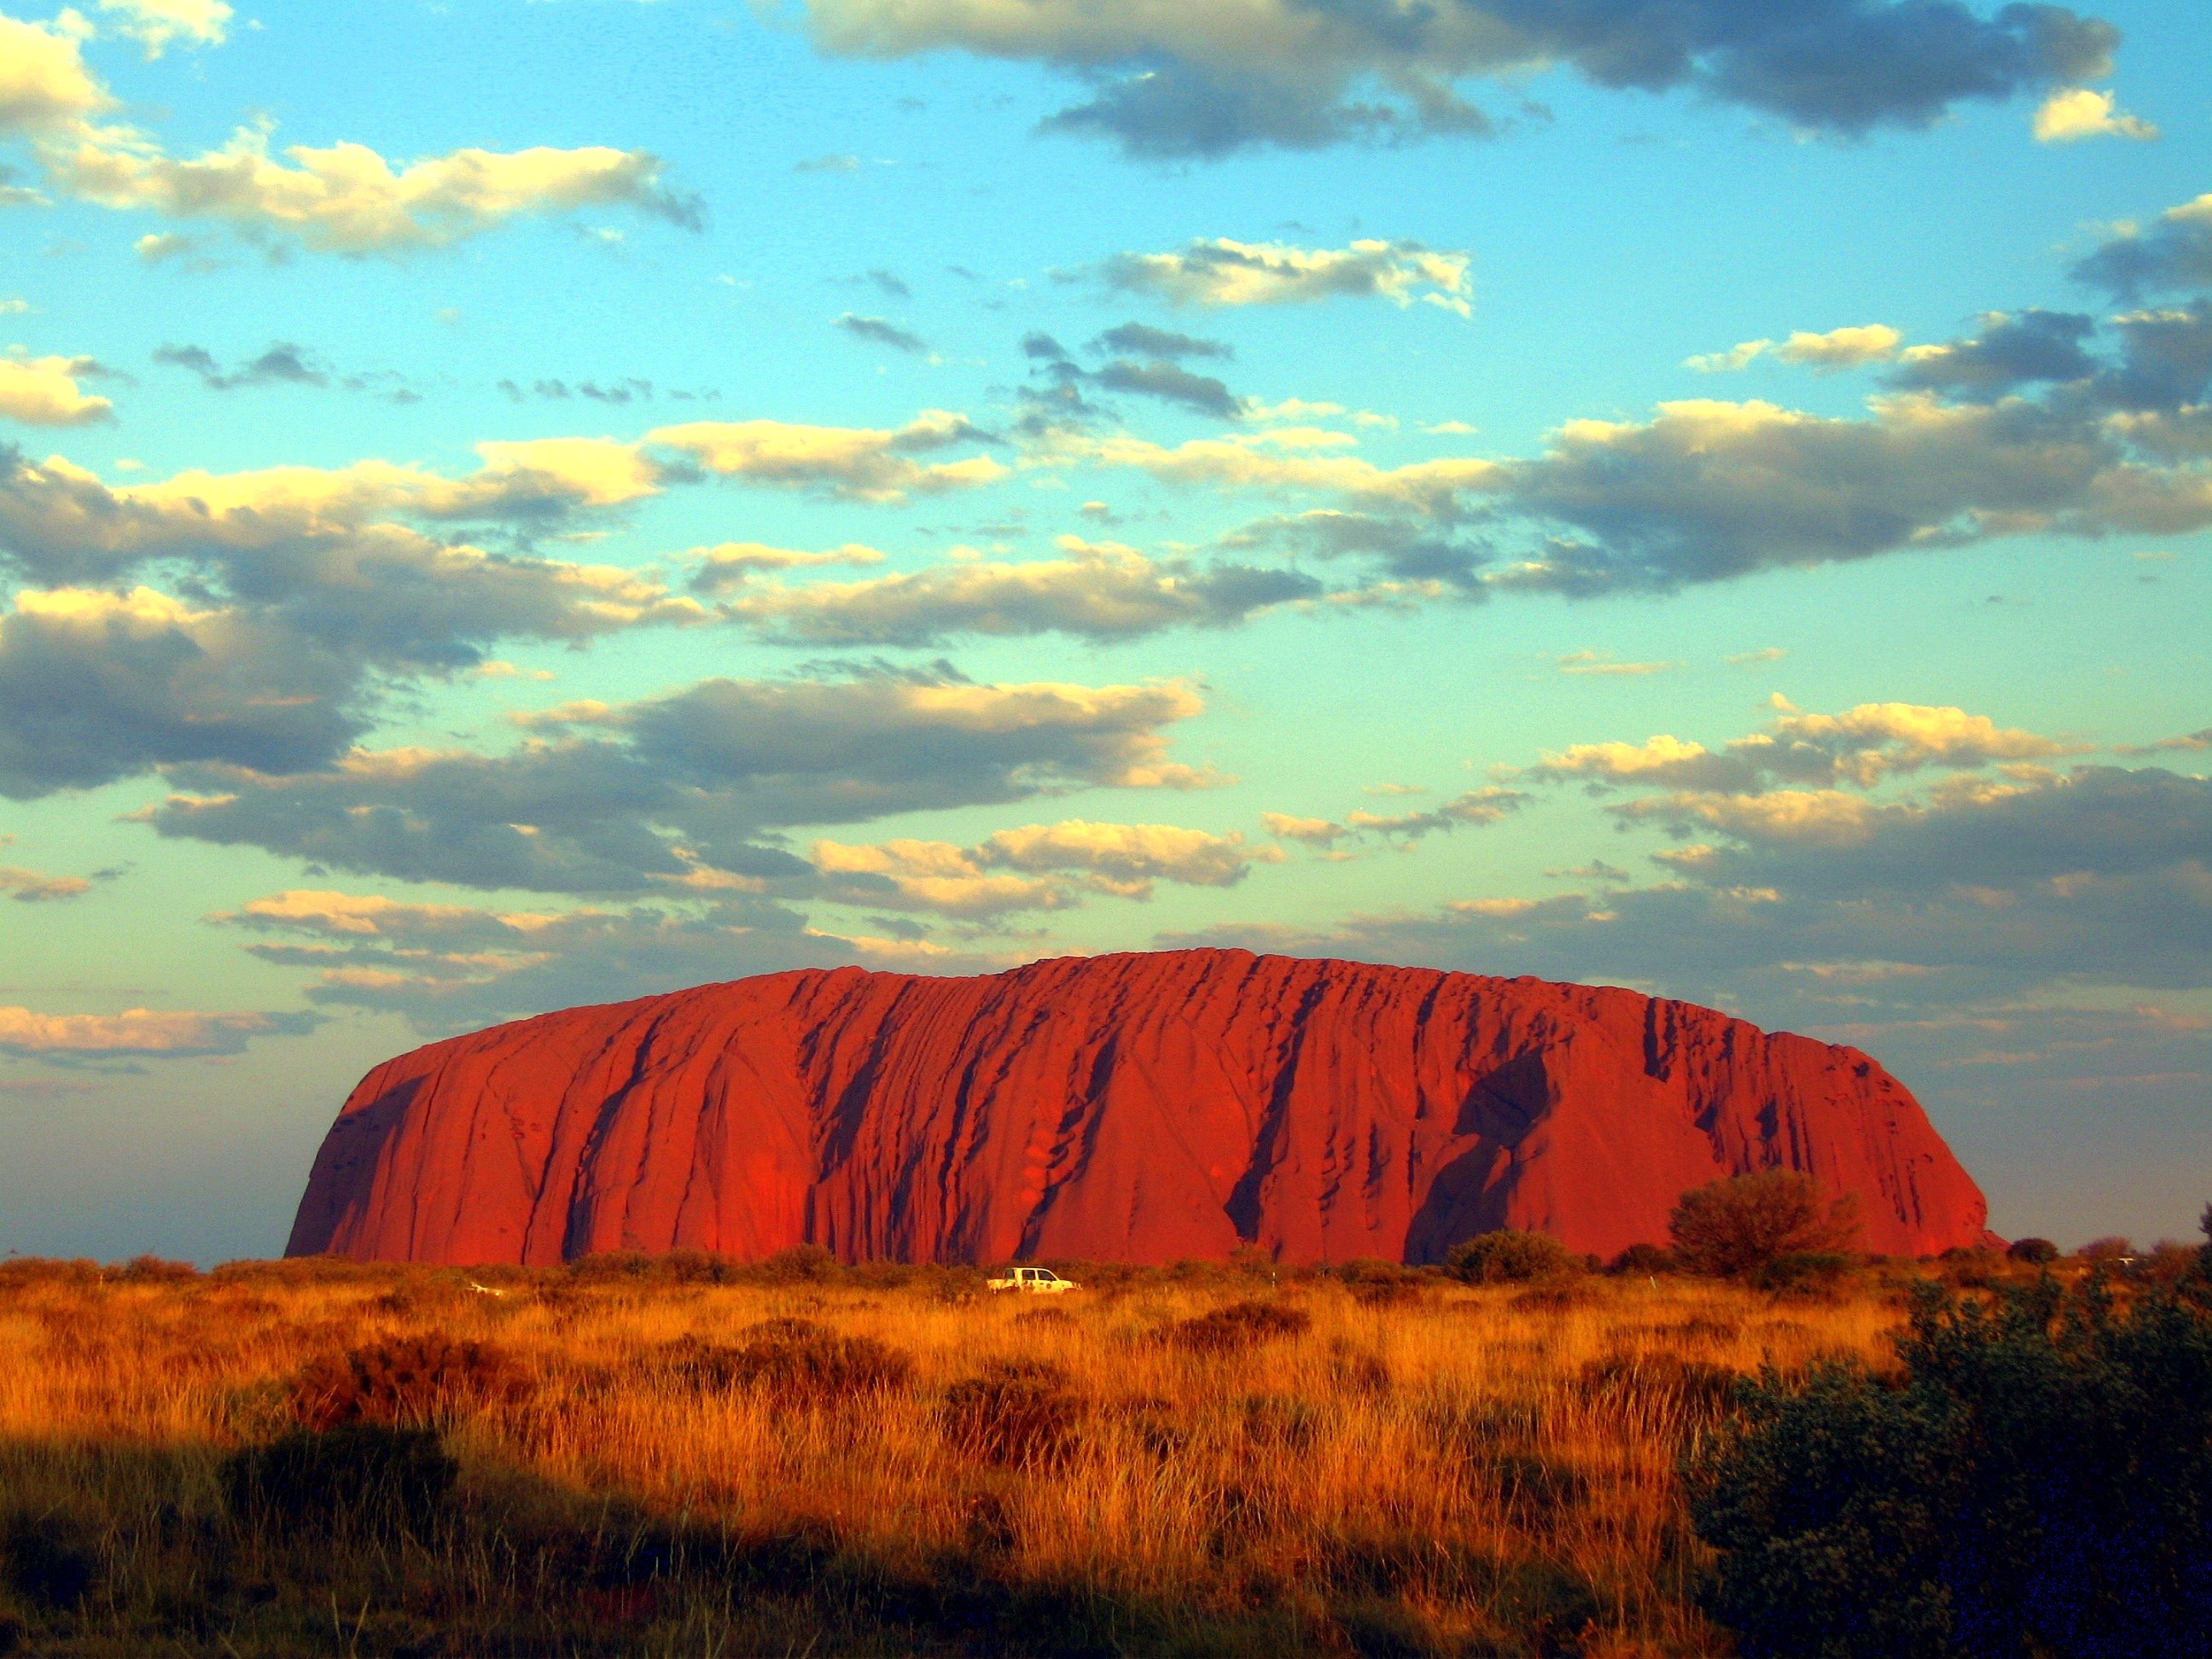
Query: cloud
x,y
1224,272
157,25
341,199
1591,662
1861,747
1026,868
281,364
2174,252
1475,807
1210,77
676,791
1143,340
2188,742
451,968
139,1033
878,331
2071,114
44,391
731,565
856,463
308,607
1094,590
1838,348
2007,353
1062,407
31,887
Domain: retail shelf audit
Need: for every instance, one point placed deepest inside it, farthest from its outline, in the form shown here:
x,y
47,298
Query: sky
x,y
510,505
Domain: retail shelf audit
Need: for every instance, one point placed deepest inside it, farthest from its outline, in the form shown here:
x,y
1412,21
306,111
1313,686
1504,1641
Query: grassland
x,y
1377,1464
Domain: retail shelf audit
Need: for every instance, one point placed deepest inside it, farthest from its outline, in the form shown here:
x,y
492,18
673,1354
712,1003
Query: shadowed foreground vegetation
x,y
682,1456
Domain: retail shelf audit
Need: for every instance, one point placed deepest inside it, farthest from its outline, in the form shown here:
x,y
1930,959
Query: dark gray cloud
x,y
1171,383
1166,344
1213,77
891,283
2175,253
677,789
880,331
1158,376
281,364
2007,353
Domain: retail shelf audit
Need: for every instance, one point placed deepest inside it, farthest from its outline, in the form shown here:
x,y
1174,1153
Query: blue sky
x,y
509,505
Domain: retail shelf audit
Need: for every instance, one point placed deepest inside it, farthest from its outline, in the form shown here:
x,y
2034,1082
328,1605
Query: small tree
x,y
2034,1251
1731,1229
1509,1256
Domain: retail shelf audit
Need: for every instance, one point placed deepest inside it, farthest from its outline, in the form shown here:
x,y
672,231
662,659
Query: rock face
x,y
1143,1107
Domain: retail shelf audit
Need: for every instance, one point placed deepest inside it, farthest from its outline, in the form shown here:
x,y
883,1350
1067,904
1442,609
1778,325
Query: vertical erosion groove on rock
x,y
1143,1106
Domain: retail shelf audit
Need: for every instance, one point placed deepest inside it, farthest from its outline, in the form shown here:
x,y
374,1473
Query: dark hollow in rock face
x,y
1145,1108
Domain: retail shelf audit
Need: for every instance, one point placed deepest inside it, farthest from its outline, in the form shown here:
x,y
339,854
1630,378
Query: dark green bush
x,y
379,1477
2034,1251
1644,1259
1511,1257
1731,1229
1802,1271
2038,1481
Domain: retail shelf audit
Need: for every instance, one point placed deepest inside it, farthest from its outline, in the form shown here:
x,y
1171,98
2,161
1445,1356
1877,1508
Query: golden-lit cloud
x,y
44,391
858,463
2071,114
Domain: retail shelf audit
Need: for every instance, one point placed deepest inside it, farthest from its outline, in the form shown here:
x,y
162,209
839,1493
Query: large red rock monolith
x,y
1145,1108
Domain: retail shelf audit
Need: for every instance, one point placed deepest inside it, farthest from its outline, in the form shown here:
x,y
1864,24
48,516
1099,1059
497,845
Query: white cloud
x,y
43,392
156,25
339,198
2072,113
1224,272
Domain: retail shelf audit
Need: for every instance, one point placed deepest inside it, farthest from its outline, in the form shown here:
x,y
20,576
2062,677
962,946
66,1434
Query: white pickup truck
x,y
1039,1281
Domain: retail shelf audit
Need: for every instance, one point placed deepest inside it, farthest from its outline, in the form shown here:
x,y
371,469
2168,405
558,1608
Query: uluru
x,y
1143,1107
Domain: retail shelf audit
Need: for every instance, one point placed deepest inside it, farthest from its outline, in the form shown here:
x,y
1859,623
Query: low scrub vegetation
x,y
688,1455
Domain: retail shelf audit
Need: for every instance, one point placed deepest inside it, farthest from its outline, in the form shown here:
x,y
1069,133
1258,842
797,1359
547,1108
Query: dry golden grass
x,y
1442,1469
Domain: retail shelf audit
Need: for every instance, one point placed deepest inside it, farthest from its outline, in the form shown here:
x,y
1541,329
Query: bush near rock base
x,y
1732,1229
1509,1256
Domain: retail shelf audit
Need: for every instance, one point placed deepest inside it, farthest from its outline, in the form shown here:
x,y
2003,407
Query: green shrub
x,y
2036,1252
2038,1481
377,1477
1511,1257
1805,1271
1731,1229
